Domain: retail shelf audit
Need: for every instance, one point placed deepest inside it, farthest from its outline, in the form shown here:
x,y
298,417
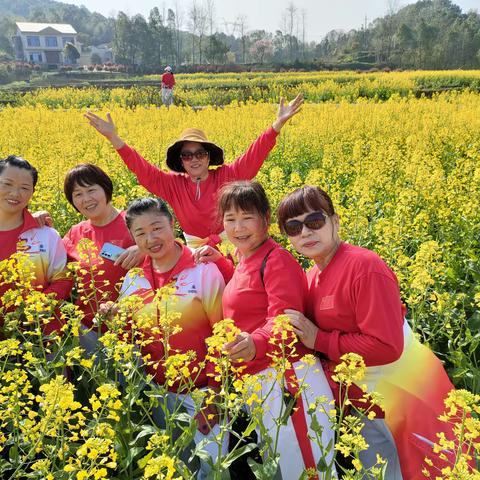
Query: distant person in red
x,y
168,82
192,188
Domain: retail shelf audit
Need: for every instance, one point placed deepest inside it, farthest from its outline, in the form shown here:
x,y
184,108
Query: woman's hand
x,y
108,309
106,128
242,348
130,258
286,112
206,254
43,218
305,329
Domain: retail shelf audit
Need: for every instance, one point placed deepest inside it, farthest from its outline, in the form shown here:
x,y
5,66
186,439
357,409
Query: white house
x,y
104,52
43,43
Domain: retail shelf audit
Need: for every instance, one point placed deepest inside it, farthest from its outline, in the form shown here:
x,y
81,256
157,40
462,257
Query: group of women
x,y
348,302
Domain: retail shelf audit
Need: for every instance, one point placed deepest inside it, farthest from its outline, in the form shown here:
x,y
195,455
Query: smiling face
x,y
16,190
91,201
153,233
246,230
195,167
319,245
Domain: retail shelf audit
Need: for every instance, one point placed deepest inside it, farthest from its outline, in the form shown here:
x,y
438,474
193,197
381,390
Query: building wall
x,y
43,48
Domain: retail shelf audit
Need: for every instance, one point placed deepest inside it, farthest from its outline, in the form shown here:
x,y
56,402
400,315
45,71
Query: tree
x,y
290,22
131,39
178,23
155,50
241,25
216,51
71,53
121,41
194,17
406,43
261,50
426,39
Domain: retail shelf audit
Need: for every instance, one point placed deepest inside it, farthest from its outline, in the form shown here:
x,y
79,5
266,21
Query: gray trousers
x,y
380,441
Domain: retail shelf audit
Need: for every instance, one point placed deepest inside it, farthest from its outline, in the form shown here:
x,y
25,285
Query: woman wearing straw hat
x,y
191,188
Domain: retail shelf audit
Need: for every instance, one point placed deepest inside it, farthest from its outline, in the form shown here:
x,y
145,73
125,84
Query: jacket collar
x,y
185,261
28,221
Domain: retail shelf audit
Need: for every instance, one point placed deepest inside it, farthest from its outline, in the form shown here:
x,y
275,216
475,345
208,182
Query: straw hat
x,y
192,135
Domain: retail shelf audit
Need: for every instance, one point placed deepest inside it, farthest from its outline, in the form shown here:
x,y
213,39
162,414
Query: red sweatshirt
x,y
103,286
356,303
253,305
198,298
198,217
168,80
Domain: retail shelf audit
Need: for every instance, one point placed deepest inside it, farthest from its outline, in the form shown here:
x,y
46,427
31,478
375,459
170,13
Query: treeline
x,y
430,34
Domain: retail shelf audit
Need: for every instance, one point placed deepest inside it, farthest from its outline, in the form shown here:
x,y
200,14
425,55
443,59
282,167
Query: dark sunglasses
x,y
199,155
313,221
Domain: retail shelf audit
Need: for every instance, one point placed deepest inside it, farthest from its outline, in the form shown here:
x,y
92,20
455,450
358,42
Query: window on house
x,y
33,41
36,57
51,42
68,40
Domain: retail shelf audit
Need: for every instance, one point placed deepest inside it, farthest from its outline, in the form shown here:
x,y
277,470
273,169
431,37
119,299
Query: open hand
x,y
286,112
105,127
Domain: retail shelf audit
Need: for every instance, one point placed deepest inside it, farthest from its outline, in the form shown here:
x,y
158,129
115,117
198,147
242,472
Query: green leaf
x,y
146,430
250,428
267,470
231,457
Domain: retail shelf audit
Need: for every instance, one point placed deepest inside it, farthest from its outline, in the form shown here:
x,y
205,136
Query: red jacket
x,y
168,80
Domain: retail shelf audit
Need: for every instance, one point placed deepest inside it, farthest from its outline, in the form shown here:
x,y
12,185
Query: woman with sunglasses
x,y
266,282
354,306
192,188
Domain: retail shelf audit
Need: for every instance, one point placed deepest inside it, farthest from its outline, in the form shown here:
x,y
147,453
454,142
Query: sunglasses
x,y
313,221
199,155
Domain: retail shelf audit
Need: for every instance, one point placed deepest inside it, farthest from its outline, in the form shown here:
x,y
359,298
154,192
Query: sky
x,y
321,16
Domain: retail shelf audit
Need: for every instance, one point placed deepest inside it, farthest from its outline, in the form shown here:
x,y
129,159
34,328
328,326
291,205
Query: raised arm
x,y
151,177
247,165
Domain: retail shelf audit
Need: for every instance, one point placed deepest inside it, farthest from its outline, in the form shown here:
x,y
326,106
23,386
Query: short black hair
x,y
85,175
19,162
146,204
245,195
